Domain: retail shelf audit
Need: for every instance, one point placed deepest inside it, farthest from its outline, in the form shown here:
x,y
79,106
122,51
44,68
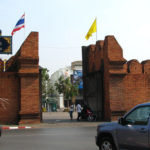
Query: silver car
x,y
131,132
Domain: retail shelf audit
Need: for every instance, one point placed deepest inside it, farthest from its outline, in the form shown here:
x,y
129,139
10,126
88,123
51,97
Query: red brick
x,y
20,85
125,84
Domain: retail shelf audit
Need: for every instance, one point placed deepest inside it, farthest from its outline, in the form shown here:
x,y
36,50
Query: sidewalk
x,y
53,116
54,120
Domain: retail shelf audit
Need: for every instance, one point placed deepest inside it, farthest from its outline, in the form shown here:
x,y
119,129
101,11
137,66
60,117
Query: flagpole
x,y
24,25
24,33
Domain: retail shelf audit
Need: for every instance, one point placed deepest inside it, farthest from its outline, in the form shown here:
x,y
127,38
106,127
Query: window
x,y
138,116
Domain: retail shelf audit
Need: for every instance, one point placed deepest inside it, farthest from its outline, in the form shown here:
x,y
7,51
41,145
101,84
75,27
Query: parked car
x,y
131,132
0,131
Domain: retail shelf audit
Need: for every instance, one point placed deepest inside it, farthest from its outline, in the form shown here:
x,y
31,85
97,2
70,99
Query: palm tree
x,y
65,87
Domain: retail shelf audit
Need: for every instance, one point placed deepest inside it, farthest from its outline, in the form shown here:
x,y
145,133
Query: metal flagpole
x,y
24,25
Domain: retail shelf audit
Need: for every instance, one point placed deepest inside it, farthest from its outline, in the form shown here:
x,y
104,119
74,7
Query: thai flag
x,y
20,24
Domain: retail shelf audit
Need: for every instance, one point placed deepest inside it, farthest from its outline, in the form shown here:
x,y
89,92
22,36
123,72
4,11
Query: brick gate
x,y
113,85
20,85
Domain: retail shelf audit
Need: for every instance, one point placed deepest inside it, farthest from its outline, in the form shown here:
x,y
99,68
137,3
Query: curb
x,y
15,128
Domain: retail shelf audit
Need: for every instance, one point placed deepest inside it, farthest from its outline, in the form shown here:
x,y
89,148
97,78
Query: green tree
x,y
47,88
65,87
60,85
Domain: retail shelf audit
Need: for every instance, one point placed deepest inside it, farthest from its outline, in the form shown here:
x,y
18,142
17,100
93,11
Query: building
x,y
77,77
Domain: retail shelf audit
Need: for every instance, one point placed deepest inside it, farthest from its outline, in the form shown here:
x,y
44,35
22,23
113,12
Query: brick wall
x,y
9,94
20,85
125,83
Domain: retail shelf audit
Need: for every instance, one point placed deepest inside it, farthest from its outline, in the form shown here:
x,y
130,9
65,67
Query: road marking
x,y
15,127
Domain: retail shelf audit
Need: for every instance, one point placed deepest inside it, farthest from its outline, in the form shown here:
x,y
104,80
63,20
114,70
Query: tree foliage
x,y
64,86
47,88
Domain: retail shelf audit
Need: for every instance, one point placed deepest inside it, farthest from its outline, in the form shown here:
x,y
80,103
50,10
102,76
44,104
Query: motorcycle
x,y
88,115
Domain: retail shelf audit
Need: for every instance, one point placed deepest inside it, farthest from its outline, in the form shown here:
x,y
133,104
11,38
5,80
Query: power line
x,y
60,47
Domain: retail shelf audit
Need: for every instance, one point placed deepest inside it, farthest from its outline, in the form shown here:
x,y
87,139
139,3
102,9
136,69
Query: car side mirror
x,y
121,121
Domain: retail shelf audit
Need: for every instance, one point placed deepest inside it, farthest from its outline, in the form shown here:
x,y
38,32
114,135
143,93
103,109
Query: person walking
x,y
71,111
79,109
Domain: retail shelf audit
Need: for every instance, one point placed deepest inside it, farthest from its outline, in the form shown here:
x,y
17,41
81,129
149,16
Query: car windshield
x,y
139,116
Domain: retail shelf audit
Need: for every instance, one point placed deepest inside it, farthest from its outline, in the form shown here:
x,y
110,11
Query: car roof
x,y
144,104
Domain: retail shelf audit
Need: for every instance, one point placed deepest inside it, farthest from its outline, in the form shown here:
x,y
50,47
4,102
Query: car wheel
x,y
107,144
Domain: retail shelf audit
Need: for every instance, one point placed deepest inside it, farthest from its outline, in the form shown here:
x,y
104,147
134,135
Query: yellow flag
x,y
92,29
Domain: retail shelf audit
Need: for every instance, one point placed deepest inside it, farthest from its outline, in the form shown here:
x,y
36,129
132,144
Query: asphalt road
x,y
56,138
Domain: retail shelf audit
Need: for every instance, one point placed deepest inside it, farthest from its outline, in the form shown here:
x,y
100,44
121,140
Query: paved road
x,y
56,138
57,132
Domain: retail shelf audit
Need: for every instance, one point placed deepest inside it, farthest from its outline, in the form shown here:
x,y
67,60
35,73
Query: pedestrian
x,y
71,111
79,109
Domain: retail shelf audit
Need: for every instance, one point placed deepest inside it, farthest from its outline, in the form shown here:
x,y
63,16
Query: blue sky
x,y
63,24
